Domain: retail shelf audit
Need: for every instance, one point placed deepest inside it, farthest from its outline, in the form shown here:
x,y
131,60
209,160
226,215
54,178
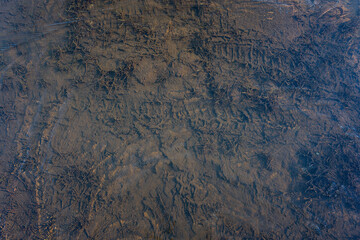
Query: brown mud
x,y
189,119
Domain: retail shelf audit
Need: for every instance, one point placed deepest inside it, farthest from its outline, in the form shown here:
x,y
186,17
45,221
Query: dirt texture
x,y
186,119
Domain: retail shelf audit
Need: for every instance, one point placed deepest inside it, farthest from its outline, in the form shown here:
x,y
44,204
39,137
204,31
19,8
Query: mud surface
x,y
188,119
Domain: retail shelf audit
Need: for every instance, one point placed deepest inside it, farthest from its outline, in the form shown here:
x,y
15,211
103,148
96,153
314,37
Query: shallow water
x,y
132,119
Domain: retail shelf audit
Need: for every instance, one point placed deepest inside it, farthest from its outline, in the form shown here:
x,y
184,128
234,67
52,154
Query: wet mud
x,y
190,119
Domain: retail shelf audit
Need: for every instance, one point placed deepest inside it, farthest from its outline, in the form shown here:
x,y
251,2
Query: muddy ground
x,y
189,119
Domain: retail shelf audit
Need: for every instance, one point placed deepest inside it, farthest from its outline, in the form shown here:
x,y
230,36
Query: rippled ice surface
x,y
155,119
